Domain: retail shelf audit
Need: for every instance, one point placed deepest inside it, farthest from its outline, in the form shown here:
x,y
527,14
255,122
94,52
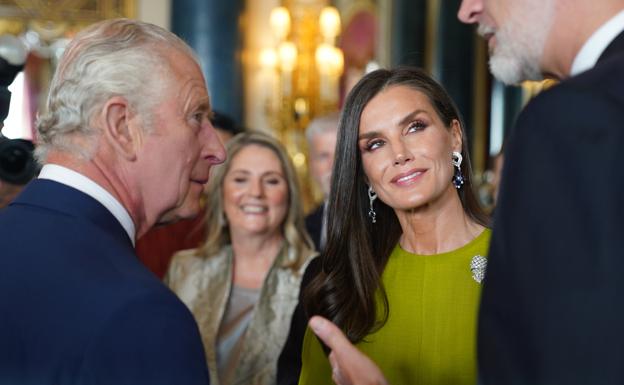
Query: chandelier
x,y
306,66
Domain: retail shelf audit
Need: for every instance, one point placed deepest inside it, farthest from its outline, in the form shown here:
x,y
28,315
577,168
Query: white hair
x,y
520,42
119,57
321,125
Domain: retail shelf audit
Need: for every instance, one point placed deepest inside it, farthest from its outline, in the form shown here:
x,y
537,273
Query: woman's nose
x,y
402,155
255,188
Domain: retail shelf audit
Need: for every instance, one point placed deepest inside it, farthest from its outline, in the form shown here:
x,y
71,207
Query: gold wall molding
x,y
54,19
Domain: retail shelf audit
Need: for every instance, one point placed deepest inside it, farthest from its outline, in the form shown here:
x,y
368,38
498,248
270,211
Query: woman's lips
x,y
408,178
254,209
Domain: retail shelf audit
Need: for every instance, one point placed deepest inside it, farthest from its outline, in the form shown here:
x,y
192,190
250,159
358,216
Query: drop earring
x,y
458,178
372,195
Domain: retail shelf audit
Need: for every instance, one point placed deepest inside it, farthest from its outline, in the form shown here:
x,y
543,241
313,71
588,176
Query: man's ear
x,y
120,132
457,139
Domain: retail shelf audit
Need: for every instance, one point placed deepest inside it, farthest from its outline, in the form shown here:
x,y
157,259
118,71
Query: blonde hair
x,y
293,228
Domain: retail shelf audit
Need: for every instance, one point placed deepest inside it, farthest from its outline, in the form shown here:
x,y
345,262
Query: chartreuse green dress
x,y
430,335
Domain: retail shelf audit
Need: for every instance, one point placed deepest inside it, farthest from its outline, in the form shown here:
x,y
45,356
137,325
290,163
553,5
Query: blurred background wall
x,y
274,65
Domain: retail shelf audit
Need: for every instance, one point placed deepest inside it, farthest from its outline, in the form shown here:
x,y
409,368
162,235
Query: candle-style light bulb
x,y
329,22
280,22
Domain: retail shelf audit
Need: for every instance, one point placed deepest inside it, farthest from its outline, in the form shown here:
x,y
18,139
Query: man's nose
x,y
212,148
469,11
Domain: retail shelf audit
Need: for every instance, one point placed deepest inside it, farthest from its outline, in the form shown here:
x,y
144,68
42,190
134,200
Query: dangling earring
x,y
372,195
458,178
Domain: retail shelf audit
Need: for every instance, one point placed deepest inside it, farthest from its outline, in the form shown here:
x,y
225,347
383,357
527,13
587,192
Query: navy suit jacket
x,y
77,306
552,309
314,225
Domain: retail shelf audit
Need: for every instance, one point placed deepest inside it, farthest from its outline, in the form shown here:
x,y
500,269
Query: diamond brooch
x,y
478,264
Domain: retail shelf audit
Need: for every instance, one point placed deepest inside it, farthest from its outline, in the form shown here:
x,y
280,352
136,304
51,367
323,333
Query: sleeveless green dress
x,y
430,335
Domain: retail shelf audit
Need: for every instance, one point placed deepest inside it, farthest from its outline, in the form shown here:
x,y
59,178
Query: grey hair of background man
x,y
321,125
119,57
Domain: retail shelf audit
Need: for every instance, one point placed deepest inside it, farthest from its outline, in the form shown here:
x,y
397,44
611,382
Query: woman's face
x,y
255,192
406,149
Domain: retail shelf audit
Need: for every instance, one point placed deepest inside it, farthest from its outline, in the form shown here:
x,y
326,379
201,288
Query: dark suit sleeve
x,y
551,307
314,225
153,340
289,362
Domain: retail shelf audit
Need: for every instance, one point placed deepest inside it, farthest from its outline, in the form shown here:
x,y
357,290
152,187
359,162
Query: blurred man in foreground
x,y
550,311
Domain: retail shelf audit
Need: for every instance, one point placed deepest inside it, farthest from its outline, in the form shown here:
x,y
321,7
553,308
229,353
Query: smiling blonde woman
x,y
242,284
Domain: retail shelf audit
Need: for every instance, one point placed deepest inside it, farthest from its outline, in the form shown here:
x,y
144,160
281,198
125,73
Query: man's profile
x,y
125,143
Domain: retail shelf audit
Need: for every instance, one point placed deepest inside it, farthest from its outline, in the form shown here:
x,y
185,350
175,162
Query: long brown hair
x,y
357,250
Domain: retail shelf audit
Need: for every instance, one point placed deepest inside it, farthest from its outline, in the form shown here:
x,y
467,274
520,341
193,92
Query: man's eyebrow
x,y
204,106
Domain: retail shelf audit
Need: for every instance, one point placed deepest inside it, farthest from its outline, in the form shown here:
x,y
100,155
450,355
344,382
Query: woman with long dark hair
x,y
407,240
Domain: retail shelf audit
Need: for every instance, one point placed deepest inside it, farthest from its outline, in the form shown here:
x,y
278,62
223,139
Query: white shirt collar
x,y
587,57
80,182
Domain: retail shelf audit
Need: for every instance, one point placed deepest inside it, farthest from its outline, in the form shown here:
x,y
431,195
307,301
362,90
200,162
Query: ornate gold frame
x,y
60,17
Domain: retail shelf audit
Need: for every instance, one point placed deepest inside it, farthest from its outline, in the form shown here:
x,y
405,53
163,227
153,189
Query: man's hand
x,y
349,365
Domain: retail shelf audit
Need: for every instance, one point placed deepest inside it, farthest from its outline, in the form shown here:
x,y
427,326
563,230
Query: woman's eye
x,y
273,181
240,180
416,126
374,144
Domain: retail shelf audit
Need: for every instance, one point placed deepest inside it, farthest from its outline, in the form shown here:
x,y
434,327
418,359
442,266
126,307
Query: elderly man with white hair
x,y
126,143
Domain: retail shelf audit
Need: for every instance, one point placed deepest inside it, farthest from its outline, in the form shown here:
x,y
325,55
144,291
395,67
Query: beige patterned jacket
x,y
204,285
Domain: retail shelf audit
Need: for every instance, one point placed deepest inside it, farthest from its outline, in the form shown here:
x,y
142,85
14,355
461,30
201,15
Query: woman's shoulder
x,y
483,240
190,273
295,260
479,244
189,257
185,255
194,261
197,256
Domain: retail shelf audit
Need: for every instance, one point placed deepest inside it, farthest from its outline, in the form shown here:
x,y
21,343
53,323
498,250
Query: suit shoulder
x,y
574,106
607,75
152,338
598,86
315,218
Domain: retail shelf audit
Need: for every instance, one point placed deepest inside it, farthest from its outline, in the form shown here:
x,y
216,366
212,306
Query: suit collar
x,y
614,48
596,45
67,200
88,186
